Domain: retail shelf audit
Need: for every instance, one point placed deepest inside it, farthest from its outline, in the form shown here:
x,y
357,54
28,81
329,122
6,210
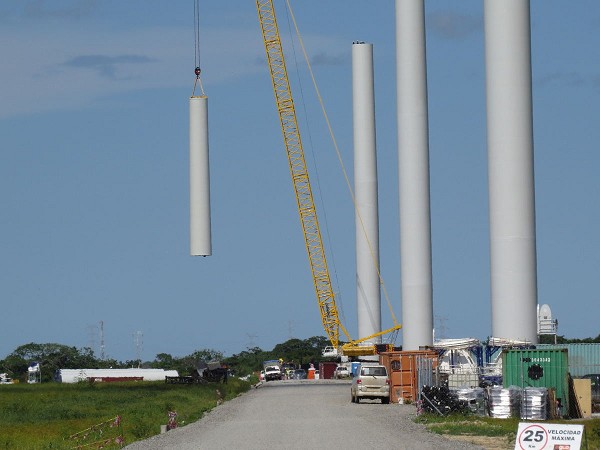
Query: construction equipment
x,y
300,179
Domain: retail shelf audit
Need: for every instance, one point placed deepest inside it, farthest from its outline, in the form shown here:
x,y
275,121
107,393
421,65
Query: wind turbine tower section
x,y
510,169
368,293
200,231
413,162
200,235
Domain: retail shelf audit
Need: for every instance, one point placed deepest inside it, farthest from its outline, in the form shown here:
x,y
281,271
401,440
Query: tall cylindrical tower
x,y
510,169
200,235
368,294
413,162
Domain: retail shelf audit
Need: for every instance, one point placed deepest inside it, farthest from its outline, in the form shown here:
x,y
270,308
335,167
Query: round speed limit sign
x,y
533,437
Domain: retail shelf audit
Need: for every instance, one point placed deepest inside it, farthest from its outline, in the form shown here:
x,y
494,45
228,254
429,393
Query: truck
x,y
341,371
5,379
272,370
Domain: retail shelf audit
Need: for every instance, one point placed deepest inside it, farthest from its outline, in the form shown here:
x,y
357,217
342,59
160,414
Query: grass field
x,y
503,431
43,416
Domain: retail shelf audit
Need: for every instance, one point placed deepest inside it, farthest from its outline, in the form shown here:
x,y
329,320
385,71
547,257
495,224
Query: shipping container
x,y
327,370
408,371
584,359
538,368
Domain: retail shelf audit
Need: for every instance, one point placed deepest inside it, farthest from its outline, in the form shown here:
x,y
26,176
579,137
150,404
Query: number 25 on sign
x,y
532,437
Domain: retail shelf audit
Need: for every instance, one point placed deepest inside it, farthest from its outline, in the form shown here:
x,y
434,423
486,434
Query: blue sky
x,y
94,171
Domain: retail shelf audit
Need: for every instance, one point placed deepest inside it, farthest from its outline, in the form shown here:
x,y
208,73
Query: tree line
x,y
52,357
300,352
548,339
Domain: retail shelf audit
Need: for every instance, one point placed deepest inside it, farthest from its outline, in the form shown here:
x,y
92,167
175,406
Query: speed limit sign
x,y
548,436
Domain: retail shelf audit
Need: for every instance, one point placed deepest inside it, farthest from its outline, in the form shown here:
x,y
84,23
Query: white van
x,y
371,382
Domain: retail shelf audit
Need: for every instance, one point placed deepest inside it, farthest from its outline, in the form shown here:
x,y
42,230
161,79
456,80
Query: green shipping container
x,y
538,368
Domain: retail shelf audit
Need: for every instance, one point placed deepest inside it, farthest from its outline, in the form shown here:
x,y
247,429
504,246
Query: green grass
x,y
470,425
43,416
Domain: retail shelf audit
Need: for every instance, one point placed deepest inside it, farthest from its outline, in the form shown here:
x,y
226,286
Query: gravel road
x,y
302,415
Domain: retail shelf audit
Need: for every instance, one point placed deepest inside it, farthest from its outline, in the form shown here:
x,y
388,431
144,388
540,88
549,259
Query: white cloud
x,y
45,71
66,67
452,25
106,66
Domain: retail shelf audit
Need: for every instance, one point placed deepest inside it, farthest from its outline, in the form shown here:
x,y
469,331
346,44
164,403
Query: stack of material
x,y
534,404
440,400
504,402
474,399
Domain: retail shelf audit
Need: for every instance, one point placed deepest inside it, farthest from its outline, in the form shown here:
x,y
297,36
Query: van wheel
x,y
352,398
385,400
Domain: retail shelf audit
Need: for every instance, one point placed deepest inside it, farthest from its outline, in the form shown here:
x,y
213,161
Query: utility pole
x,y
102,354
138,342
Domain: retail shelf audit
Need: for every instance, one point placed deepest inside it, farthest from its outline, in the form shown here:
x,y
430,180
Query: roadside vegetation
x,y
43,416
495,433
53,357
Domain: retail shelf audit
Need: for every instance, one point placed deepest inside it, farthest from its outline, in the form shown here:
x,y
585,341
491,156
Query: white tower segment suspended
x,y
200,229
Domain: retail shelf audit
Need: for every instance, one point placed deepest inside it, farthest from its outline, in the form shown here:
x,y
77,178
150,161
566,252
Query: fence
x,y
103,435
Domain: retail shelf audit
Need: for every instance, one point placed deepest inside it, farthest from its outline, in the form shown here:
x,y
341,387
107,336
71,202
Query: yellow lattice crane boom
x,y
302,188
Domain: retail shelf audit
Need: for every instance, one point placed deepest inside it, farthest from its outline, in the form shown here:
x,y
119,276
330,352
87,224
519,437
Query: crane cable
x,y
197,69
337,150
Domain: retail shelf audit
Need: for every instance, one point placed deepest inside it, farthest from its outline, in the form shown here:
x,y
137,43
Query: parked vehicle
x,y
371,382
299,374
341,372
287,370
272,370
5,379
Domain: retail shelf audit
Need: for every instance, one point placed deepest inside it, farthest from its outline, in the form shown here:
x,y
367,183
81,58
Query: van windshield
x,y
375,371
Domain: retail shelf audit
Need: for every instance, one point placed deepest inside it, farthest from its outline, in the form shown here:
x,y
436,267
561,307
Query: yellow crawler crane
x,y
303,191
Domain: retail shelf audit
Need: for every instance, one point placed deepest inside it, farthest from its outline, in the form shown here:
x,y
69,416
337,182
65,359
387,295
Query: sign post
x,y
548,436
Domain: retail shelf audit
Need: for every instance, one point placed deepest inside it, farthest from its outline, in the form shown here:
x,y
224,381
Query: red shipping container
x,y
327,370
402,369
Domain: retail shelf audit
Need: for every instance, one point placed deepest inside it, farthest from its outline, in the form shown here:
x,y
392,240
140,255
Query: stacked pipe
x,y
474,398
441,400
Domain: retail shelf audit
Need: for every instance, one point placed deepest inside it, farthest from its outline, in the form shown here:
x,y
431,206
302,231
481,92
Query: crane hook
x,y
197,72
